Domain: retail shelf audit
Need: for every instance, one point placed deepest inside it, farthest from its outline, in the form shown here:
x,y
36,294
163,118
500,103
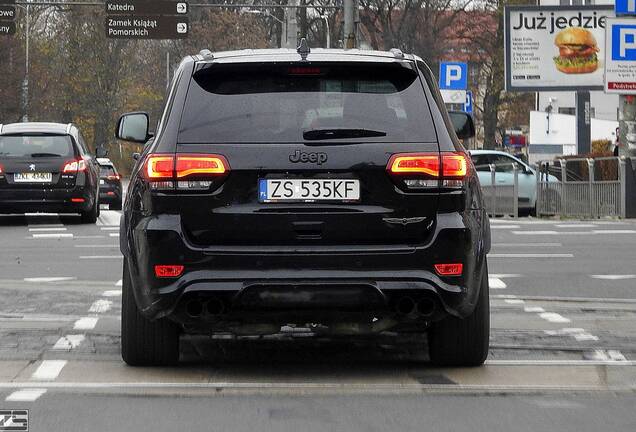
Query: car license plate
x,y
33,177
101,182
301,190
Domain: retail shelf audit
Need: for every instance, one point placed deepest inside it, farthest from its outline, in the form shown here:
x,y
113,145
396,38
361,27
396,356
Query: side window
x,y
504,163
481,162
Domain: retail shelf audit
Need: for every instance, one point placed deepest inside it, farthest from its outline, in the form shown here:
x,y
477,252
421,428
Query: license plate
x,y
301,190
101,182
33,177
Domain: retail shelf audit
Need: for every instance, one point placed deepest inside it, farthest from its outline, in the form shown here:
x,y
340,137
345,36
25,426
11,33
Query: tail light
x,y
429,170
113,177
168,271
184,171
454,269
1,169
74,166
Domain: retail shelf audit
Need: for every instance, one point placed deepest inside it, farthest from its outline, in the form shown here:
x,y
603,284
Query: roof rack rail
x,y
206,54
397,52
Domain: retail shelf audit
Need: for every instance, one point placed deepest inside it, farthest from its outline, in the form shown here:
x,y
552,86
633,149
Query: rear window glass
x,y
36,146
294,103
106,170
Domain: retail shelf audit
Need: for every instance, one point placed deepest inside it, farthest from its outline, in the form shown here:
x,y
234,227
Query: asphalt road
x,y
563,351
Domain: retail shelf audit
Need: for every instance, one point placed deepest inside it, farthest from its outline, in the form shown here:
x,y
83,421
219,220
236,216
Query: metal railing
x,y
581,187
501,199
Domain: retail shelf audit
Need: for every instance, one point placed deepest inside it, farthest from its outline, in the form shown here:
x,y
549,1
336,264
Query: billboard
x,y
555,48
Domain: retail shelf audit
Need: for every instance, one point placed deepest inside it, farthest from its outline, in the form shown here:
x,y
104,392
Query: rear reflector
x,y
74,166
113,177
77,200
454,269
168,271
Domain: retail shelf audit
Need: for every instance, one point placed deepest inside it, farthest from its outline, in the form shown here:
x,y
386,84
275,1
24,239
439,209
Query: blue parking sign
x,y
625,7
624,42
453,76
468,105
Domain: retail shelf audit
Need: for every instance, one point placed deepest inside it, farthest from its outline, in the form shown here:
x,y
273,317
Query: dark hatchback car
x,y
110,189
46,167
324,189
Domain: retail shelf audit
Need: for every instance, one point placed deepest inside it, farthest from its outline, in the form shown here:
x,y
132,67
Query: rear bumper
x,y
306,280
109,195
49,200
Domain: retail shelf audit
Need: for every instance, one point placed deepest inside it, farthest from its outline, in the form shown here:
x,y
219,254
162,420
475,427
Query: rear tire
x,y
90,217
145,342
463,342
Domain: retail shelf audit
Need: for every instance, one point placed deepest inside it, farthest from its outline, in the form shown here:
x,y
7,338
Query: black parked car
x,y
110,189
324,189
46,167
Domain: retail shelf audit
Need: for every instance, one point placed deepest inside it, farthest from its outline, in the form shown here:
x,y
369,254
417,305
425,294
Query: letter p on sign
x,y
453,76
624,42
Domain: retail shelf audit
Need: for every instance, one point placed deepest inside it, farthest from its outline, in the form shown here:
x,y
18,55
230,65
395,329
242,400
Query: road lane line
x,y
585,337
112,293
48,370
109,228
505,227
616,355
113,235
100,306
50,279
53,236
119,283
68,342
527,245
504,275
575,226
534,232
86,323
37,225
496,283
533,309
101,257
87,237
27,395
514,301
554,317
97,246
46,229
614,231
614,277
529,255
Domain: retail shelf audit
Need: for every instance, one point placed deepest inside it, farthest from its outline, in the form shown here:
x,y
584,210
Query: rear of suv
x,y
324,189
46,167
110,188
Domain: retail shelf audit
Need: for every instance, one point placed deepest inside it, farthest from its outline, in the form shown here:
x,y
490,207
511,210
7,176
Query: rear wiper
x,y
322,134
36,155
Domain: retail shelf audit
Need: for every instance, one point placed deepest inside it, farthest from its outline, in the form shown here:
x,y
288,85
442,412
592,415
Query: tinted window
x,y
481,162
36,146
106,170
281,103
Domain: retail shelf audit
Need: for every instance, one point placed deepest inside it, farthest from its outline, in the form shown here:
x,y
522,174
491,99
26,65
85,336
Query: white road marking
x,y
112,293
119,283
86,323
53,236
598,355
585,337
109,218
591,362
101,257
109,228
97,246
575,226
49,279
614,231
554,317
514,301
113,235
616,355
505,227
504,275
48,370
614,277
533,309
100,306
68,342
526,245
41,214
46,229
593,232
27,395
86,237
529,255
496,283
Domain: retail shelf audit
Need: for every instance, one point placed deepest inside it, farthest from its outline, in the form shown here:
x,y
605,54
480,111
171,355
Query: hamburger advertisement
x,y
555,47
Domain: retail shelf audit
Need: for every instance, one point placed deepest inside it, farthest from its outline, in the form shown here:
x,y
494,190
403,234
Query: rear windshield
x,y
293,103
36,146
106,170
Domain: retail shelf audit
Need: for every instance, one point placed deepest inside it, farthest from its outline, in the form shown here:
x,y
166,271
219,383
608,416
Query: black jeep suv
x,y
324,189
46,167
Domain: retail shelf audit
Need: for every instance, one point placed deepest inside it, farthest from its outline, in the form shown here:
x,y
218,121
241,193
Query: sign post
x,y
7,17
147,19
620,73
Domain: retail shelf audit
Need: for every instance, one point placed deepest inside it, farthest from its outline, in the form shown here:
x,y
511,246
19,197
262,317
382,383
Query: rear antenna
x,y
303,49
